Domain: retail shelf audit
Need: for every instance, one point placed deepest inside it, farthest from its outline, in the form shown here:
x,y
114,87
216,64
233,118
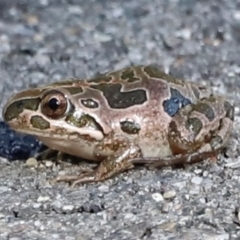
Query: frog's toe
x,y
84,177
66,178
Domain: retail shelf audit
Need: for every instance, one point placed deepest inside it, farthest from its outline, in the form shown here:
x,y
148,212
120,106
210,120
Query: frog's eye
x,y
54,104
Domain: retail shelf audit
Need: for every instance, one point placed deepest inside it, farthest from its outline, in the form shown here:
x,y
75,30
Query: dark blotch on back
x,y
175,103
118,99
130,127
14,109
100,78
66,82
129,75
194,124
205,109
89,103
229,110
74,90
154,72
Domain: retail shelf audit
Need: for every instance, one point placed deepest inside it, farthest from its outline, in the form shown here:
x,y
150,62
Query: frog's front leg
x,y
197,132
118,154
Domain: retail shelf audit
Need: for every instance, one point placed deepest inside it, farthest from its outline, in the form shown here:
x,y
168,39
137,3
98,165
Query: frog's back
x,y
137,87
149,78
138,91
139,102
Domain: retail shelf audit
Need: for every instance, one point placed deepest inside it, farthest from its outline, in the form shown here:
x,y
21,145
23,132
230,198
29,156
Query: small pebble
x,y
213,203
208,215
168,226
157,197
41,59
208,187
184,33
238,216
202,200
43,199
187,197
77,10
3,189
48,164
56,204
198,171
130,216
183,220
37,205
169,194
62,173
37,223
32,20
180,185
205,174
195,190
103,188
32,162
165,208
236,15
197,180
100,37
68,208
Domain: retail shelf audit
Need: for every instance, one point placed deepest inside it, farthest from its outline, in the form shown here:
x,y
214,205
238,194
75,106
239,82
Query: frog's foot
x,y
72,178
46,154
112,165
84,177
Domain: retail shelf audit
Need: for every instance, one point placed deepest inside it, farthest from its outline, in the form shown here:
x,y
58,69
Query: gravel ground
x,y
47,40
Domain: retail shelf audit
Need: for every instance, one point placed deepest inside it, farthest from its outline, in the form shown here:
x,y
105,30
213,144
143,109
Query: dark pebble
x,y
15,146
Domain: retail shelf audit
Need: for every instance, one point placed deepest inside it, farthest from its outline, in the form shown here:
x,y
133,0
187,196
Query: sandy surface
x,y
47,40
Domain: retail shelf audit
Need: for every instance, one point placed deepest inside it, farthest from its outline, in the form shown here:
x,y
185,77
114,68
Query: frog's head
x,y
56,113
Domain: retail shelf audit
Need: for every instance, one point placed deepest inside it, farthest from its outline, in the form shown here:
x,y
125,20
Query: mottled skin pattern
x,y
136,115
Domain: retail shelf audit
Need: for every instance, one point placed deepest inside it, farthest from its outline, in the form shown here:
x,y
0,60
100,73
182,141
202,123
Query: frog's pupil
x,y
53,104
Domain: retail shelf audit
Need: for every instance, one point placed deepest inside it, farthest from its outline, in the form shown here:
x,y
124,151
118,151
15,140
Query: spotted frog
x,y
138,115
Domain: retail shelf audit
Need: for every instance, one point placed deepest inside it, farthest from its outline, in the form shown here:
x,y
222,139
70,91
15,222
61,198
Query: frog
x,y
138,115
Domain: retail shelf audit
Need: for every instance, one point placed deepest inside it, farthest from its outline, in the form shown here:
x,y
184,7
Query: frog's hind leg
x,y
119,161
197,132
205,125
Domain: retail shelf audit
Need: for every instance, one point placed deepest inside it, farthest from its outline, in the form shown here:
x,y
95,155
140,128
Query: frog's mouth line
x,y
72,136
39,133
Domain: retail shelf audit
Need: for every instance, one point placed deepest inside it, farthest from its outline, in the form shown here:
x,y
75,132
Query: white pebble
x,y
197,180
43,199
157,197
169,195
